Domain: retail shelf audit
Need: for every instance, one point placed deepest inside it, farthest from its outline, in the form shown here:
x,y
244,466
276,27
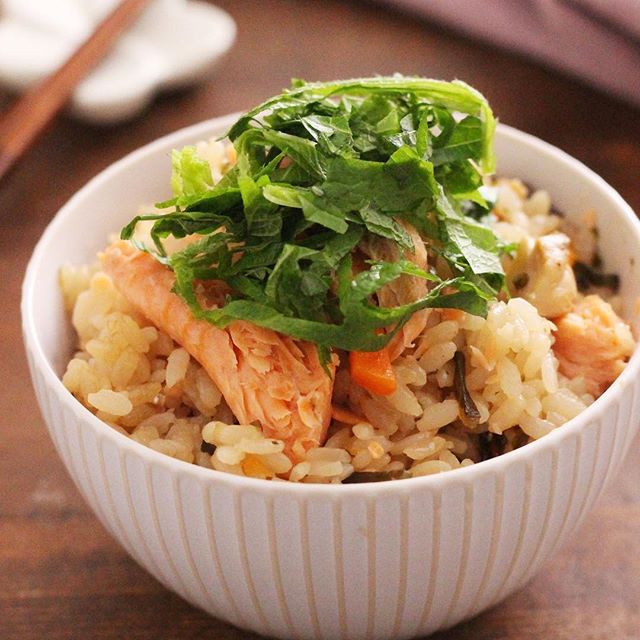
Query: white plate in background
x,y
174,43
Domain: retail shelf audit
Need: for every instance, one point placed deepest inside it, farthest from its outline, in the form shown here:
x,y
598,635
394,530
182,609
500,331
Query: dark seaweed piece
x,y
372,476
556,212
491,445
470,415
521,280
587,276
520,439
207,447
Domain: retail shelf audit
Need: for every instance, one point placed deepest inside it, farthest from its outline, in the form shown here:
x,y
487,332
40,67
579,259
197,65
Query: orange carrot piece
x,y
253,466
344,415
451,314
372,370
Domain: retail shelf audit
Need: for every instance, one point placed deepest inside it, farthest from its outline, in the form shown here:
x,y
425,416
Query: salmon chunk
x,y
594,342
403,290
266,378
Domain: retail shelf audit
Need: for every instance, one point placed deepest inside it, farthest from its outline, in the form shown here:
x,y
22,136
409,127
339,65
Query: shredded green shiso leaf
x,y
318,167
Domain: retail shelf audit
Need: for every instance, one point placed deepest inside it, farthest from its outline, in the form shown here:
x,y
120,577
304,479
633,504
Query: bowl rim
x,y
460,476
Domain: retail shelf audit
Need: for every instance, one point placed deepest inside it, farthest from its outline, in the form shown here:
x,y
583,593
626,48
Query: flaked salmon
x,y
594,342
403,290
265,377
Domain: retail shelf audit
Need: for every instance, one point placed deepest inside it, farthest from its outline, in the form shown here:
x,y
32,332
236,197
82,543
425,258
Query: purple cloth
x,y
597,40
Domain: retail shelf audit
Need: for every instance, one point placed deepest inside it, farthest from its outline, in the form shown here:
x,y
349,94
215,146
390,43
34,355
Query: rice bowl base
x,y
396,559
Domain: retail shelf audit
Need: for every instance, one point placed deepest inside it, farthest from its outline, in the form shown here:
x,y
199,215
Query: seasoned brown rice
x,y
137,379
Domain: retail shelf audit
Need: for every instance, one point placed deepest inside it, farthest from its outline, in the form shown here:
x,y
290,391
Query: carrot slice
x,y
372,370
253,466
451,314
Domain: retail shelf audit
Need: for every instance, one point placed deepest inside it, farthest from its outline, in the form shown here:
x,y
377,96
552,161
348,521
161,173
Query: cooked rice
x,y
137,379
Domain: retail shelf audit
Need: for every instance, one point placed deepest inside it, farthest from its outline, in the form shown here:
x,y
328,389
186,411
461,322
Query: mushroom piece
x,y
542,274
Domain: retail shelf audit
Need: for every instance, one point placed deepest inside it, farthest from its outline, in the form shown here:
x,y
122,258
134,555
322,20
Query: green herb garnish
x,y
319,166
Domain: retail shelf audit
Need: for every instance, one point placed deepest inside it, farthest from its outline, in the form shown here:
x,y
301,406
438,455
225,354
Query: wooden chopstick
x,y
21,124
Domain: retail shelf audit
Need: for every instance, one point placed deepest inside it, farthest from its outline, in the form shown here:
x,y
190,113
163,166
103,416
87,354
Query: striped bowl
x,y
382,560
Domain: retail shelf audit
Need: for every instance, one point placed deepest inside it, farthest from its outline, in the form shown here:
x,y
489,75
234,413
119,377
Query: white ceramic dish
x,y
174,43
390,560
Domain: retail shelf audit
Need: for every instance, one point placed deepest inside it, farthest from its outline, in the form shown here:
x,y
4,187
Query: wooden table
x,y
61,575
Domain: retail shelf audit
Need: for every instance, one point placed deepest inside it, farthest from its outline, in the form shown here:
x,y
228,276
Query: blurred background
x,y
567,71
538,61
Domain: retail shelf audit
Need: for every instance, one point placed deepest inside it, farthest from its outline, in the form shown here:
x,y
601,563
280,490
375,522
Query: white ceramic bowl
x,y
389,560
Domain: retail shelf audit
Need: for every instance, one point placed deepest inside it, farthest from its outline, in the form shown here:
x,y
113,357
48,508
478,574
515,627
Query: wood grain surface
x,y
61,575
